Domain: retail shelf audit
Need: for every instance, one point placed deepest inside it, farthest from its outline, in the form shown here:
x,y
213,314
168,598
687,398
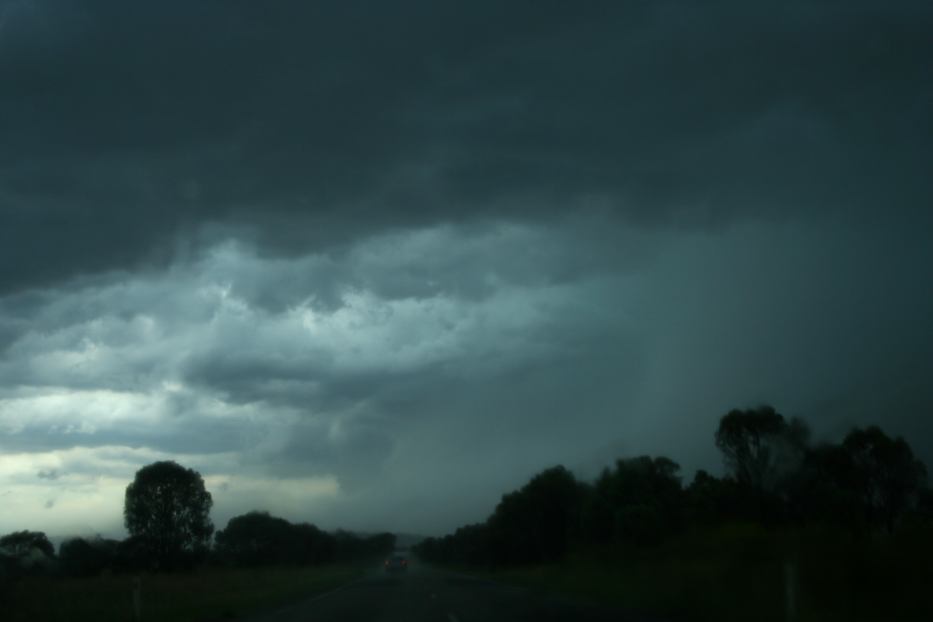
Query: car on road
x,y
396,563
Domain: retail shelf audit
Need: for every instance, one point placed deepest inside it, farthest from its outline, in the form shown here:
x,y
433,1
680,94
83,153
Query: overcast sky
x,y
373,264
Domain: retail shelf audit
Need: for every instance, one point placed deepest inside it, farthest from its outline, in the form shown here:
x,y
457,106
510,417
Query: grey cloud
x,y
340,399
51,474
192,435
306,126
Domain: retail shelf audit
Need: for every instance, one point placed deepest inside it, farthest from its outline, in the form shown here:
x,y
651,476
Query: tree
x,y
312,545
884,474
25,552
869,480
255,538
711,500
639,501
258,538
822,489
132,555
82,557
760,447
24,543
537,522
168,510
924,509
350,546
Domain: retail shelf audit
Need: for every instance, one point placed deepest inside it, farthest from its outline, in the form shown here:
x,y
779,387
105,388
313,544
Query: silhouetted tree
x,y
596,514
255,538
258,538
132,555
350,546
822,489
470,544
537,522
81,557
313,546
869,480
640,501
884,474
710,500
26,552
924,509
8,570
168,509
760,447
23,543
430,550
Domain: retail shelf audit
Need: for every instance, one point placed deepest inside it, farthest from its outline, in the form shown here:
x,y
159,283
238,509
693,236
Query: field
x,y
747,573
198,596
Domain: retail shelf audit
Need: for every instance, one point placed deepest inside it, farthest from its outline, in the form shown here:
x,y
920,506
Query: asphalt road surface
x,y
426,595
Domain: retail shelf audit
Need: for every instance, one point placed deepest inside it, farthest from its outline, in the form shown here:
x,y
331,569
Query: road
x,y
426,595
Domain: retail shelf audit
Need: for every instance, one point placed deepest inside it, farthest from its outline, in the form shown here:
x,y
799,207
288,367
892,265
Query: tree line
x,y
167,514
867,483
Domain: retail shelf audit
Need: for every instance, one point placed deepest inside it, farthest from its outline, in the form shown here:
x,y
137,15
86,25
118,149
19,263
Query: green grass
x,y
738,573
197,596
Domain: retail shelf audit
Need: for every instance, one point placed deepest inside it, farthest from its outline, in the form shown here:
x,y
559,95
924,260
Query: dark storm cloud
x,y
127,126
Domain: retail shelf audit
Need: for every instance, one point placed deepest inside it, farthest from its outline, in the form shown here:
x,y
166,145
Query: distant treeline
x,y
252,539
868,483
166,512
260,539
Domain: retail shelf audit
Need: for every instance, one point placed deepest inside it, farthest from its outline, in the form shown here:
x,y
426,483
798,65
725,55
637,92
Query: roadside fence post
x,y
790,591
137,599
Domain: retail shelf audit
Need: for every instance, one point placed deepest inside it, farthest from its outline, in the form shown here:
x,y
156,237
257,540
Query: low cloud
x,y
393,392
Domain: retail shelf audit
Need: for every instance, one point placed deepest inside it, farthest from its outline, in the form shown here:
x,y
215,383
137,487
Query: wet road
x,y
426,595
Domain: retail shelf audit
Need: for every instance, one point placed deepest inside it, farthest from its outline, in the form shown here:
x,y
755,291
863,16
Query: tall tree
x,y
537,522
823,489
639,501
760,447
168,509
884,473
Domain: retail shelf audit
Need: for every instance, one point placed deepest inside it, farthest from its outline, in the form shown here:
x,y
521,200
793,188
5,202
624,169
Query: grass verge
x,y
199,596
742,573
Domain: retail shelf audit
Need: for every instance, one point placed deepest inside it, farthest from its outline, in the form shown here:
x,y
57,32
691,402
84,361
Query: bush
x,y
82,558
